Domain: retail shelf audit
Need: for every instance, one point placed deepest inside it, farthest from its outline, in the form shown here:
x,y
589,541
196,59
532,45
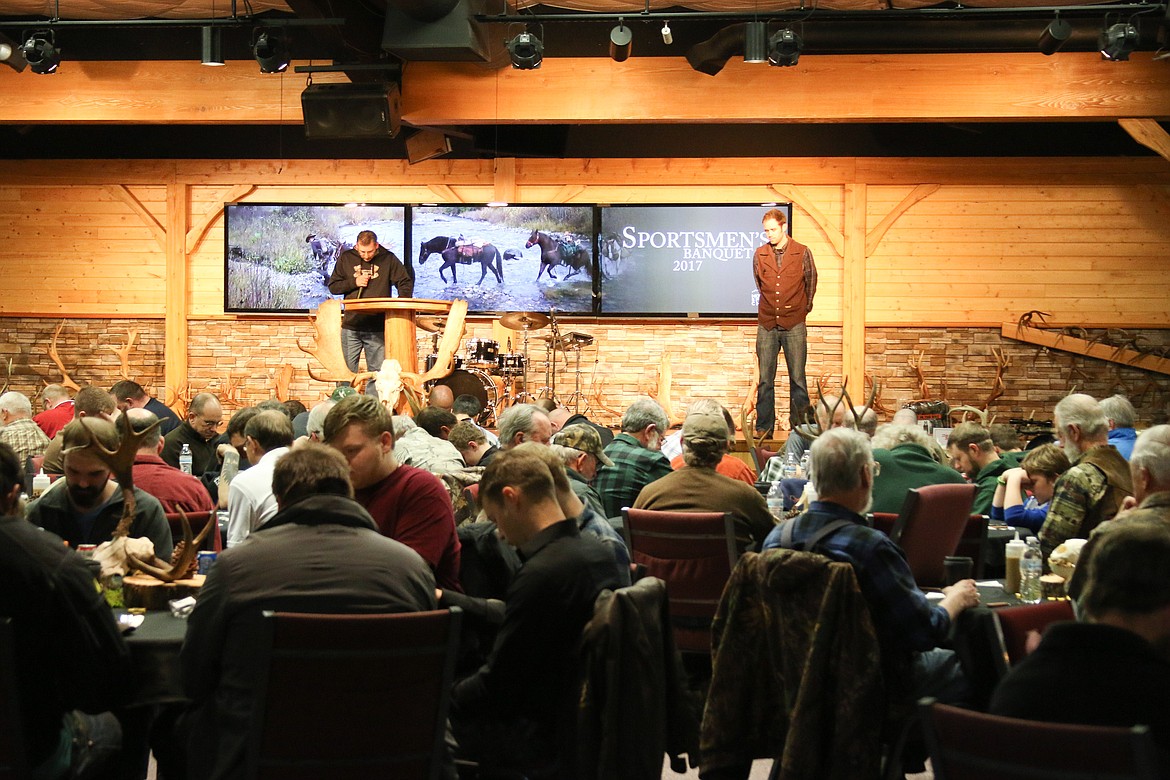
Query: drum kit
x,y
500,379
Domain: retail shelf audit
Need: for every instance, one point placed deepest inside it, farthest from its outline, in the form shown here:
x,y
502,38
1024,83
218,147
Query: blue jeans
x,y
769,343
352,344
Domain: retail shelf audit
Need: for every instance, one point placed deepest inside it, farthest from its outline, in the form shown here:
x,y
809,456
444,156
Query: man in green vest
x,y
1092,491
787,281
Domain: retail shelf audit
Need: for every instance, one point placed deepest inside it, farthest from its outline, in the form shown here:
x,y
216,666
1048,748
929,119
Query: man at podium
x,y
368,270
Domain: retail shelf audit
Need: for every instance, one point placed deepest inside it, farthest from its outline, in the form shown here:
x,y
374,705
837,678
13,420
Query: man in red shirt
x,y
409,505
787,281
173,489
58,410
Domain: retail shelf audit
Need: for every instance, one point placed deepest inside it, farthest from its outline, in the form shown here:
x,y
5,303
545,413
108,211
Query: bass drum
x,y
472,381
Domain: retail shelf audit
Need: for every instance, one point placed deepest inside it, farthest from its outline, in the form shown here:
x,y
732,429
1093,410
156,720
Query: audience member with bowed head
x,y
1149,468
441,397
1007,442
516,712
414,446
973,455
908,625
267,438
909,458
521,423
92,402
17,428
636,456
697,487
1112,669
87,509
57,410
407,503
69,653
321,552
905,416
1092,490
829,412
174,490
562,418
128,394
728,465
469,439
1121,417
468,407
1037,472
199,432
316,421
579,449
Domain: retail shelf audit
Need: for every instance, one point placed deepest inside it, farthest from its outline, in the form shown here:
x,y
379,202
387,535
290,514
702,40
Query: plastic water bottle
x,y
804,465
185,459
1031,567
776,501
791,467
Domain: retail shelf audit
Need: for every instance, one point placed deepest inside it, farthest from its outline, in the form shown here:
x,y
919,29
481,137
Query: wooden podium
x,y
399,330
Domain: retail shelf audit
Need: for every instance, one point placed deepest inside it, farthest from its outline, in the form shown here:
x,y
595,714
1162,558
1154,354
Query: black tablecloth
x,y
154,652
975,637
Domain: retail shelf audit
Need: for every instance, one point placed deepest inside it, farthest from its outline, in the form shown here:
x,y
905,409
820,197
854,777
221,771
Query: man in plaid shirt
x,y
636,458
17,428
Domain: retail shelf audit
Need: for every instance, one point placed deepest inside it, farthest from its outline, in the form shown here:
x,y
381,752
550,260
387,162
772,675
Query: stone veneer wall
x,y
236,360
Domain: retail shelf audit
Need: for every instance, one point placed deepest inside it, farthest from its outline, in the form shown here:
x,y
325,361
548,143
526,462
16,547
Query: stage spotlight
x,y
620,42
11,55
526,51
1117,41
212,46
667,36
755,42
784,48
270,52
41,53
1055,35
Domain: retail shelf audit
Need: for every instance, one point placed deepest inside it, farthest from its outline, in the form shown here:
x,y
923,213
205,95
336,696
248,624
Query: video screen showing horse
x,y
278,256
680,259
505,258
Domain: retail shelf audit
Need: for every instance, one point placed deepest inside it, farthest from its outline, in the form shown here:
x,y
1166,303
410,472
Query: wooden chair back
x,y
351,697
930,526
1014,623
969,745
693,553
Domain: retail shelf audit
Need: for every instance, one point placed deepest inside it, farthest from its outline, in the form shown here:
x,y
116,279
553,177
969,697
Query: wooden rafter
x,y
1148,133
445,193
568,193
875,236
1079,346
199,228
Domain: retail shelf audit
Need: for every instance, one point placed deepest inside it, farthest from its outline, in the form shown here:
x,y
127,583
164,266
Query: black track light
x,y
41,53
1117,41
755,42
212,46
784,48
526,51
620,42
271,52
1055,35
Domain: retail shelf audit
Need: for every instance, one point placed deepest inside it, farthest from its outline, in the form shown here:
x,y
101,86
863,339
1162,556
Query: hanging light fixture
x,y
1118,41
1055,35
667,36
525,50
620,41
784,48
212,46
41,53
755,42
271,52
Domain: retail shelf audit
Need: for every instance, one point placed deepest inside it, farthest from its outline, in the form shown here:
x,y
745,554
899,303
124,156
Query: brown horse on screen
x,y
554,252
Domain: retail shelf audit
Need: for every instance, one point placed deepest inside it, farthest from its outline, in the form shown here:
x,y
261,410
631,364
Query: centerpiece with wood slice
x,y
147,581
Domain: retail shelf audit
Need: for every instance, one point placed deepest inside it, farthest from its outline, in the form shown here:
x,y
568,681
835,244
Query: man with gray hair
x,y
909,458
17,428
175,490
909,626
636,458
58,410
1120,414
316,422
521,423
1092,491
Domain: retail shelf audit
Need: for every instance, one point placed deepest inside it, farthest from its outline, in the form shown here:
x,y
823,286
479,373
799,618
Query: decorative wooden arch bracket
x,y
1046,338
122,193
1148,133
199,229
835,235
875,236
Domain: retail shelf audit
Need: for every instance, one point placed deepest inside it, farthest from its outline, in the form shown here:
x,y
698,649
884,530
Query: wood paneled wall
x,y
931,243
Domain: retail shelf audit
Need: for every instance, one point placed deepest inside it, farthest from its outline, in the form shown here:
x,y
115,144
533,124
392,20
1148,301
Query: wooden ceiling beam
x,y
842,88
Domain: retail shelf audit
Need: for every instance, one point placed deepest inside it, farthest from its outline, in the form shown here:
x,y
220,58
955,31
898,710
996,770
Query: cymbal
x,y
524,320
430,323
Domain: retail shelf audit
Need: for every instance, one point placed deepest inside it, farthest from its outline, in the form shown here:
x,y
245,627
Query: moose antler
x,y
7,378
121,552
916,364
66,380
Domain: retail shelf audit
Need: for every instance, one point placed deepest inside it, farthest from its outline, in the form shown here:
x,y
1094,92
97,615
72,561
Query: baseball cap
x,y
342,392
699,426
582,437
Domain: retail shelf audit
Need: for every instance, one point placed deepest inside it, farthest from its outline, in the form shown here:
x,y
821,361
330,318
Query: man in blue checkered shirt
x,y
907,623
636,456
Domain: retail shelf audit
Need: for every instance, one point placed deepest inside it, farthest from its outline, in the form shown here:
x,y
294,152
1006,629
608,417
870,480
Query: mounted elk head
x,y
97,441
830,414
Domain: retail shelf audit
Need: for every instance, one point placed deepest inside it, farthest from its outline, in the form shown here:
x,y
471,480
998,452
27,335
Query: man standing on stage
x,y
787,280
367,271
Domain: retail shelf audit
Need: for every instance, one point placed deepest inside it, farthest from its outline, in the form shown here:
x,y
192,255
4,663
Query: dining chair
x,y
197,520
973,543
930,526
693,553
13,759
1012,625
969,745
884,522
760,456
353,696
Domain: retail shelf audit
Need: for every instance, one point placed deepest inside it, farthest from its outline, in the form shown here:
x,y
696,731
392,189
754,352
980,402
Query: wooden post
x,y
175,322
853,293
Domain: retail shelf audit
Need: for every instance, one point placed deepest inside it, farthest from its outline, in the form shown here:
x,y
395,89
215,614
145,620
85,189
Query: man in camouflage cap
x,y
587,441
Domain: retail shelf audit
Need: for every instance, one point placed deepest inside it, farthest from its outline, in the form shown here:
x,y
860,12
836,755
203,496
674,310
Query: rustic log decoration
x,y
66,380
146,592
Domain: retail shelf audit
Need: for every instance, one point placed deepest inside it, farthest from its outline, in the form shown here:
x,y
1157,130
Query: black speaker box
x,y
455,37
351,110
